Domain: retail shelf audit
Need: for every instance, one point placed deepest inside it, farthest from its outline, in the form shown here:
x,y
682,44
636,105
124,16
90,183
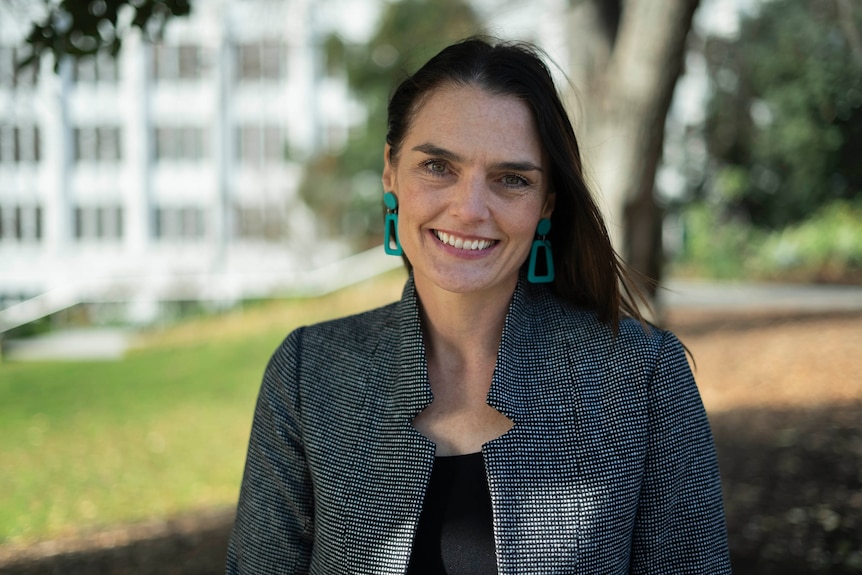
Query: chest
x,y
459,420
459,428
564,484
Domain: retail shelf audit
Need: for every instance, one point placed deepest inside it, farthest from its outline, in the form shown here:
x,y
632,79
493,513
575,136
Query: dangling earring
x,y
390,239
540,244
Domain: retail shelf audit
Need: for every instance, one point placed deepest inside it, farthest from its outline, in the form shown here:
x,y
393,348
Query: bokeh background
x,y
182,183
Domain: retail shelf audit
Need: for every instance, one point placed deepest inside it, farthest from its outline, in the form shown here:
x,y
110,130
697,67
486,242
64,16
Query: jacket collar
x,y
529,356
534,355
412,378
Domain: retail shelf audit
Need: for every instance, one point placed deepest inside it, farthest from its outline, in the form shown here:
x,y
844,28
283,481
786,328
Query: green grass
x,y
163,431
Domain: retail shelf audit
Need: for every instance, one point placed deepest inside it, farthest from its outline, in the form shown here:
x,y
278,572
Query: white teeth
x,y
462,244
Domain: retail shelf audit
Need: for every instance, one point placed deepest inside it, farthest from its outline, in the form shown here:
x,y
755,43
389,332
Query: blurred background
x,y
182,183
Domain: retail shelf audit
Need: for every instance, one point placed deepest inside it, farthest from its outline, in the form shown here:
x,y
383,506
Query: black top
x,y
455,535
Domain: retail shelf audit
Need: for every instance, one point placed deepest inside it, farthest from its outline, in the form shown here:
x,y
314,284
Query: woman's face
x,y
471,188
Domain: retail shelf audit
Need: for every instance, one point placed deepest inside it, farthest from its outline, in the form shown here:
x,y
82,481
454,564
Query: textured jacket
x,y
609,467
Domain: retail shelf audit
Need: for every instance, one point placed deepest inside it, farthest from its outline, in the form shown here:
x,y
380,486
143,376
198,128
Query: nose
x,y
469,201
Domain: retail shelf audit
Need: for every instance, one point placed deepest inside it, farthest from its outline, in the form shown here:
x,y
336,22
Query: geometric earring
x,y
390,239
541,258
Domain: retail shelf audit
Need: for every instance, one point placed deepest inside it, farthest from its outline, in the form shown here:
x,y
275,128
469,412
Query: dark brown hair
x,y
589,273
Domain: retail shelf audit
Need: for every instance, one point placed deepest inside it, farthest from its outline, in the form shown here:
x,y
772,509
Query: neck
x,y
462,327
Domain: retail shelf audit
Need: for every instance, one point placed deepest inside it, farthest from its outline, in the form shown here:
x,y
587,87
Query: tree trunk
x,y
626,74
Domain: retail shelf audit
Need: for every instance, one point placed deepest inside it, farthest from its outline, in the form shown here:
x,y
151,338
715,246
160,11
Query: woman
x,y
512,413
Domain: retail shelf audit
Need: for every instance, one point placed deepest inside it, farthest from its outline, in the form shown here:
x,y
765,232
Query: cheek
x,y
408,208
414,202
412,214
525,219
525,241
523,234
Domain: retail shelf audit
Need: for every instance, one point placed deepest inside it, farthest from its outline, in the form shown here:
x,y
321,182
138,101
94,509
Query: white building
x,y
170,173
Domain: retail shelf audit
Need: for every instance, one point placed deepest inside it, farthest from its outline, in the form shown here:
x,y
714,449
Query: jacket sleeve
x,y
679,527
274,527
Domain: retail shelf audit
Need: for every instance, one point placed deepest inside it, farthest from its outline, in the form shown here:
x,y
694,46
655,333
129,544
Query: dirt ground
x,y
784,394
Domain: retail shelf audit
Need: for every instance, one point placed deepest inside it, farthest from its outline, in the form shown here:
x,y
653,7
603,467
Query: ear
x,y
388,170
550,202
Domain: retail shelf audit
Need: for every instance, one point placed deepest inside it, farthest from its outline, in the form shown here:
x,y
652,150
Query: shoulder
x,y
564,317
349,335
633,344
308,364
353,329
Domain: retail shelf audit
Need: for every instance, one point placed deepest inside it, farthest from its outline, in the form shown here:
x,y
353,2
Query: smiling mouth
x,y
463,244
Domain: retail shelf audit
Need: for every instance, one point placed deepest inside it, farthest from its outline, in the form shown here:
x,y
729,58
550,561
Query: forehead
x,y
471,119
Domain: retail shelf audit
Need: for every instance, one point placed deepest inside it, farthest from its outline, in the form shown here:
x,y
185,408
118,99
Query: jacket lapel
x,y
534,471
393,461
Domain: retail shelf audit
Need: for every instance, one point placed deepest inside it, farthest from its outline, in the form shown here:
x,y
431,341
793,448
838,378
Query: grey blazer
x,y
609,467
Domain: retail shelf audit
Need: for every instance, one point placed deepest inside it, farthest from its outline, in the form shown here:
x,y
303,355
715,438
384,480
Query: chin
x,y
470,283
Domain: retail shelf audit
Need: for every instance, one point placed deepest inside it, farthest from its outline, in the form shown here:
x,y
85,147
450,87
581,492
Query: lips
x,y
463,243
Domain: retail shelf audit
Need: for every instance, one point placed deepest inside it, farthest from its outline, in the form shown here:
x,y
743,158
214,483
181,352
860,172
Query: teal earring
x,y
542,245
390,239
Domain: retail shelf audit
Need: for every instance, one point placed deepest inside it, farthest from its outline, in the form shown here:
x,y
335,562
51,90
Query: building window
x,y
97,143
9,76
259,144
262,222
260,61
179,223
183,143
20,223
177,62
99,68
20,144
98,223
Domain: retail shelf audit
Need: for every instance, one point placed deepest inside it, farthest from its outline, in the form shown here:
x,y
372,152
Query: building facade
x,y
172,171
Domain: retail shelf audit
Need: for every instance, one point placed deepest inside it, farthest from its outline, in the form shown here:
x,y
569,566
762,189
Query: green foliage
x,y
785,121
38,327
343,188
825,247
715,247
81,28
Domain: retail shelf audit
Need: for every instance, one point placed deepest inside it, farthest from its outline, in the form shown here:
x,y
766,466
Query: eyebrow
x,y
432,150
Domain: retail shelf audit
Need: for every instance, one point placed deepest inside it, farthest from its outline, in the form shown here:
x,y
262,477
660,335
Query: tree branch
x,y
80,28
